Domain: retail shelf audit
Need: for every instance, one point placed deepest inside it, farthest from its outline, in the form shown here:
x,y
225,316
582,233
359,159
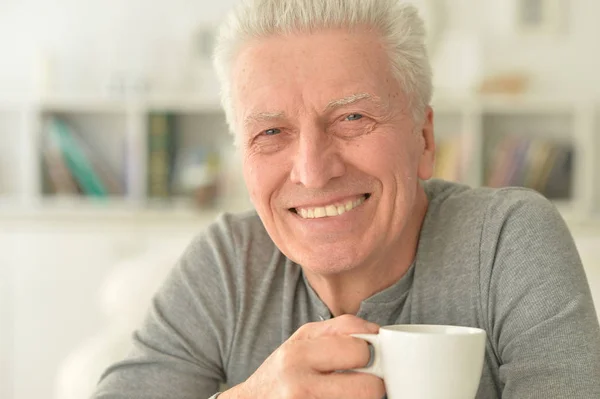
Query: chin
x,y
328,262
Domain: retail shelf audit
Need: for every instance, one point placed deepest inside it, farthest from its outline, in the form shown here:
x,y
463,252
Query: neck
x,y
344,292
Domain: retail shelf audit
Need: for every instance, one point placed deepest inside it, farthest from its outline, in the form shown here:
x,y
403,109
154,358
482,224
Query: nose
x,y
317,160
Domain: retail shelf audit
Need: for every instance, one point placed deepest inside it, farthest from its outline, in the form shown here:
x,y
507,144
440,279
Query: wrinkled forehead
x,y
285,72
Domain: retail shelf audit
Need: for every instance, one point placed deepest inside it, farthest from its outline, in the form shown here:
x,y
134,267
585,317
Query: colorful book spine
x,y
57,176
77,162
533,163
161,153
112,181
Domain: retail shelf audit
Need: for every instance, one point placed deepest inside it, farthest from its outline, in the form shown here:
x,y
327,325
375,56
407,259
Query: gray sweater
x,y
502,260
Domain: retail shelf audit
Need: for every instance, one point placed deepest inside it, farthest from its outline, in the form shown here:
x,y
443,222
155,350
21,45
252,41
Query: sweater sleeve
x,y
540,314
181,350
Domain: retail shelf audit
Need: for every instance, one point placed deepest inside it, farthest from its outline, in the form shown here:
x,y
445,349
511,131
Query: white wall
x,y
7,256
562,64
88,38
91,37
51,273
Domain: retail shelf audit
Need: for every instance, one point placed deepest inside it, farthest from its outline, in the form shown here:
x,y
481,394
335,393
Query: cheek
x,y
388,157
252,176
262,180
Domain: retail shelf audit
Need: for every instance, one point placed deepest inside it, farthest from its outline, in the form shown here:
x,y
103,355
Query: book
x,y
539,152
533,163
112,180
57,176
61,135
545,174
560,179
501,162
161,154
516,171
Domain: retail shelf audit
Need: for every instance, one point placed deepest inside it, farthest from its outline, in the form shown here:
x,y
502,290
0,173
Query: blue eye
x,y
354,117
272,132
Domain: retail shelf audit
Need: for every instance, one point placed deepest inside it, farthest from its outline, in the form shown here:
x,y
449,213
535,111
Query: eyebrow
x,y
351,99
334,104
263,116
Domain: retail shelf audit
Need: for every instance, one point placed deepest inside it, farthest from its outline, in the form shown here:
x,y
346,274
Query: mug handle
x,y
376,367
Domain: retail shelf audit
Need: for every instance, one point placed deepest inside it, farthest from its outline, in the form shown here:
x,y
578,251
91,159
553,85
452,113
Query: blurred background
x,y
114,153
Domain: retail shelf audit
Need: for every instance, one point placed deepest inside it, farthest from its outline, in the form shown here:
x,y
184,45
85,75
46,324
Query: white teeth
x,y
329,210
320,212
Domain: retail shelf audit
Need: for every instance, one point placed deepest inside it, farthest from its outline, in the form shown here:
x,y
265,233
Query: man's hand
x,y
305,366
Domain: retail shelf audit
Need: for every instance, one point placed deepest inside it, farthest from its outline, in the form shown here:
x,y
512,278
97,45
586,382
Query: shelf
x,y
118,129
11,124
162,103
504,104
189,104
83,104
86,209
594,163
447,106
104,104
526,105
208,131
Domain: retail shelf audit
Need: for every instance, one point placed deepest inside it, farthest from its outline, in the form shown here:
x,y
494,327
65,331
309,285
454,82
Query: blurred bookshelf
x,y
11,122
546,144
166,155
593,160
83,156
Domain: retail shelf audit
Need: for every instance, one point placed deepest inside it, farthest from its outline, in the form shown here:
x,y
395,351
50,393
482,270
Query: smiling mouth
x,y
330,210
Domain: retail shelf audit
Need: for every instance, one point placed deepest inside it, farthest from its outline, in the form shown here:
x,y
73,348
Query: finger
x,y
333,353
341,325
348,385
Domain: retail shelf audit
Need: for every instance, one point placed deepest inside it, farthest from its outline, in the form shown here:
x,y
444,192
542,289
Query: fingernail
x,y
373,327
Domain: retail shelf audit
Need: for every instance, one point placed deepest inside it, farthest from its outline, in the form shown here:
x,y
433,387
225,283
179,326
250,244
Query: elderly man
x,y
329,102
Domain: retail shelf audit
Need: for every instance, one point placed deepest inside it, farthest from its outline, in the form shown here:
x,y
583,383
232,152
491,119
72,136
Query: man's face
x,y
331,159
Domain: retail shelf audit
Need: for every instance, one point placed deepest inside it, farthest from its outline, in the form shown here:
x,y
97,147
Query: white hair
x,y
401,29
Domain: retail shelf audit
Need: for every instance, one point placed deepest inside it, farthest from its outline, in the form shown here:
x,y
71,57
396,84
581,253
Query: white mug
x,y
418,361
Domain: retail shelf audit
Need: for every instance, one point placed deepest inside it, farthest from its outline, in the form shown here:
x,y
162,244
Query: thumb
x,y
341,325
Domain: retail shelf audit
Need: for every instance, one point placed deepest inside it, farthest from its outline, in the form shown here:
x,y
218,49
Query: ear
x,y
427,147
